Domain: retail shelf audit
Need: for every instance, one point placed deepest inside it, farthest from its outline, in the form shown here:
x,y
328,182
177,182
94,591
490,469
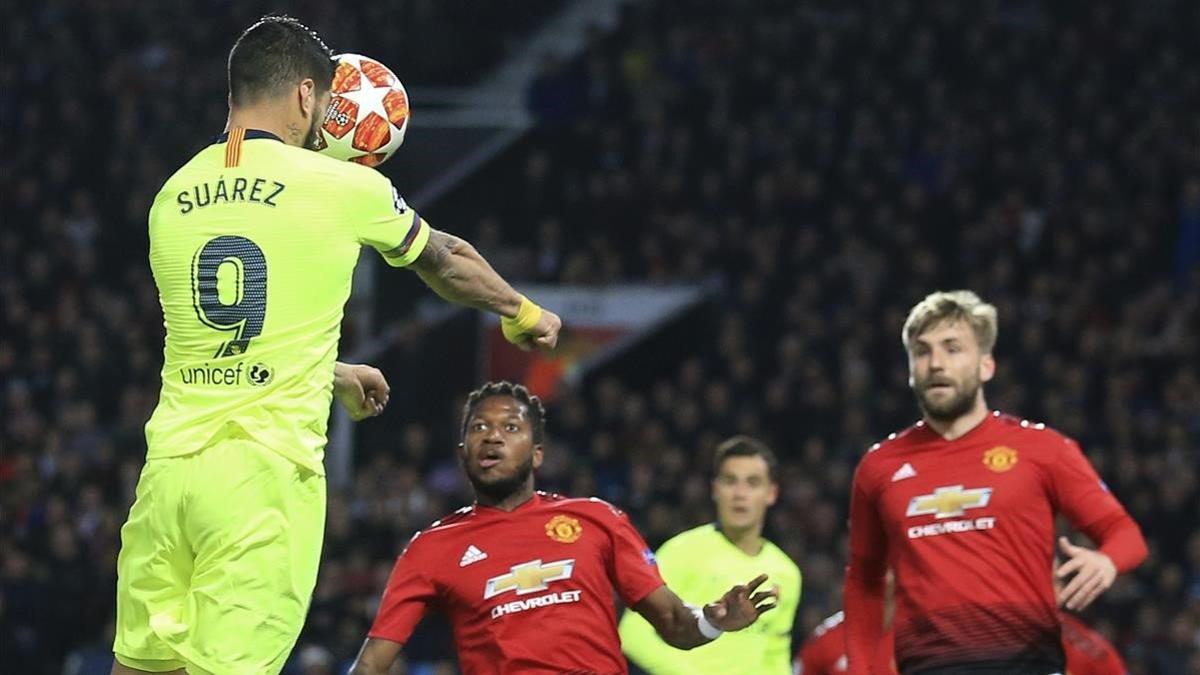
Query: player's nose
x,y
937,360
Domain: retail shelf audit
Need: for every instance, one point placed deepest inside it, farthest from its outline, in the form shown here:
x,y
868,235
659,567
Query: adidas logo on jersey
x,y
906,471
471,555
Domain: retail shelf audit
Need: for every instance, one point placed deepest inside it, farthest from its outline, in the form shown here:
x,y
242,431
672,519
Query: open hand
x,y
1094,573
741,605
362,390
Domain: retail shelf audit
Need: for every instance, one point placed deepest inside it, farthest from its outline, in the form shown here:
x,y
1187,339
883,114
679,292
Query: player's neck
x,y
265,117
959,426
749,539
510,503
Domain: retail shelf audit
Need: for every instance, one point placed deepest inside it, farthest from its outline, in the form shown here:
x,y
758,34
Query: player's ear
x,y
308,96
774,494
537,456
987,368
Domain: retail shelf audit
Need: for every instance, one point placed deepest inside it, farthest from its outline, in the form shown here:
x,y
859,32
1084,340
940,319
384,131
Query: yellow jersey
x,y
253,245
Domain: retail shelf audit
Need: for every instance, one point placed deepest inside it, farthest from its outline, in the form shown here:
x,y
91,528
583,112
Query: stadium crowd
x,y
828,165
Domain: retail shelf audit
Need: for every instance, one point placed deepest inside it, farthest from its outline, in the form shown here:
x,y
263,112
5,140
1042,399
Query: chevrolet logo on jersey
x,y
529,577
948,502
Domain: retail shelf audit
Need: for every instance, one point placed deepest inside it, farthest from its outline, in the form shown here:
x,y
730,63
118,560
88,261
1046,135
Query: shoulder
x,y
895,443
781,559
439,531
686,542
591,507
323,167
1033,434
187,173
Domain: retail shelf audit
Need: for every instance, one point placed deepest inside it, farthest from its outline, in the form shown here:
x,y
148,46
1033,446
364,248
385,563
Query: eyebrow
x,y
730,474
507,416
945,340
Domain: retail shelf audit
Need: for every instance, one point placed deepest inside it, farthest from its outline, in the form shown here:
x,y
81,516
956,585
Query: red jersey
x,y
526,591
968,527
1088,653
824,653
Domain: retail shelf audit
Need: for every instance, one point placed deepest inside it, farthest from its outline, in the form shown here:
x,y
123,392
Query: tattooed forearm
x,y
455,270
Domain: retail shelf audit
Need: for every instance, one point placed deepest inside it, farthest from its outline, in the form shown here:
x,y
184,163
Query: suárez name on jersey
x,y
228,191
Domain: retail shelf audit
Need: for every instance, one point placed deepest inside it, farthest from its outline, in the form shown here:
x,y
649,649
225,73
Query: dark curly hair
x,y
537,412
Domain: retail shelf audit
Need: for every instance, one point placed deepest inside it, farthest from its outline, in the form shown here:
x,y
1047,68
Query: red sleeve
x,y
633,569
863,594
1086,501
408,595
1120,538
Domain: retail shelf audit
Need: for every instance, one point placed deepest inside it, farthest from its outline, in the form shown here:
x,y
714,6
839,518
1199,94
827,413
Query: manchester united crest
x,y
564,529
1000,458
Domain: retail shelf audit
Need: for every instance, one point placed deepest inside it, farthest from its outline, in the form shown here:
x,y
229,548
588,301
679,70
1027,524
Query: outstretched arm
x,y
685,627
458,273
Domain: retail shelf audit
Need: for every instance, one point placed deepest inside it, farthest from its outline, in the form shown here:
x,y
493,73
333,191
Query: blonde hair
x,y
952,306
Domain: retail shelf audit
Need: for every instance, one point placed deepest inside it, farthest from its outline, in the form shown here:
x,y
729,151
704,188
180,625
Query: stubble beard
x,y
501,488
953,408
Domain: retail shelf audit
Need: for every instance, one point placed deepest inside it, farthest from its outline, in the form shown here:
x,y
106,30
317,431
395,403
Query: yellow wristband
x,y
527,317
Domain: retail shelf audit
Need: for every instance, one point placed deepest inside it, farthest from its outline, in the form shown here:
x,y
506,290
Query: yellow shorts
x,y
218,561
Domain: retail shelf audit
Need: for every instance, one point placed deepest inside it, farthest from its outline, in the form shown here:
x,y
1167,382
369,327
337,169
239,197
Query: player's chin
x,y
495,474
940,400
738,517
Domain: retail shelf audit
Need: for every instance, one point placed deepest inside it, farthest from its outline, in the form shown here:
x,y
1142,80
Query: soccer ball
x,y
368,114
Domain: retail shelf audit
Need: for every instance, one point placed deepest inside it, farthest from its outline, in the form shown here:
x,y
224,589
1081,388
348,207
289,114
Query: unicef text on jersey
x,y
255,375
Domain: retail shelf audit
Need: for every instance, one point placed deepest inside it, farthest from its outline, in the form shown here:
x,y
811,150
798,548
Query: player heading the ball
x,y
253,244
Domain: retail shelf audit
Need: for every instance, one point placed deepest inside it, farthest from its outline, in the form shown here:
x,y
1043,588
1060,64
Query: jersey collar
x,y
533,501
250,135
762,541
991,418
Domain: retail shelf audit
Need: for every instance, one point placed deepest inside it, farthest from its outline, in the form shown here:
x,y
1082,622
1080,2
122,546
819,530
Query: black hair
x,y
275,53
537,412
745,446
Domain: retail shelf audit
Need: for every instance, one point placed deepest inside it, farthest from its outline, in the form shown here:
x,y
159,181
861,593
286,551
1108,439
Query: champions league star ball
x,y
368,113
